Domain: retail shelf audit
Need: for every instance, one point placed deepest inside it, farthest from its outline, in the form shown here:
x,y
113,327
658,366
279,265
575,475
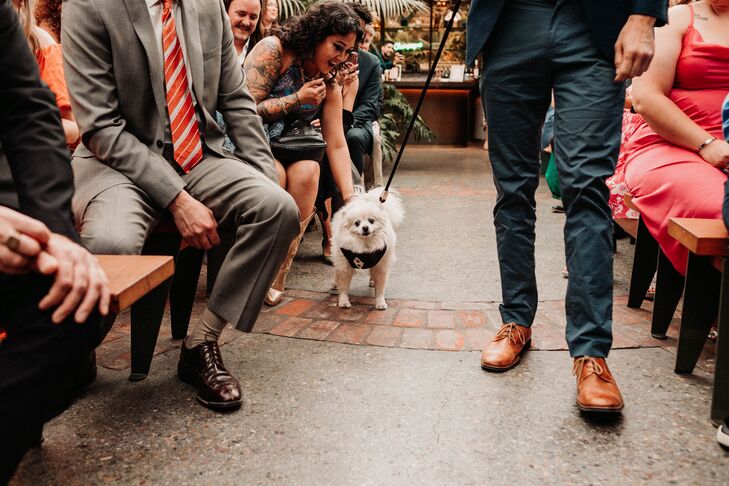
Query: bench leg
x,y
645,262
147,312
184,286
700,306
720,399
669,286
146,317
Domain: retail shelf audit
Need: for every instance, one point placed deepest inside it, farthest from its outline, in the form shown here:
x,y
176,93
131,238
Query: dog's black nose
x,y
365,230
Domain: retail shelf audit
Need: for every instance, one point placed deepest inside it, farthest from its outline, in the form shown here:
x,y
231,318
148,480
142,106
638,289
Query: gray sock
x,y
208,328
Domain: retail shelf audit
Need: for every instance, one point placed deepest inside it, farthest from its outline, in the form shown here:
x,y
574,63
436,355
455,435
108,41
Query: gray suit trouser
x,y
262,217
537,46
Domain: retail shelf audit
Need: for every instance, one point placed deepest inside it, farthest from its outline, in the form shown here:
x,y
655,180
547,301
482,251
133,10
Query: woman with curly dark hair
x,y
48,17
293,77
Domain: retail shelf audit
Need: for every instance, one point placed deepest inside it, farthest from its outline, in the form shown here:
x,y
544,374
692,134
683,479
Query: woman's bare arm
x,y
651,90
333,131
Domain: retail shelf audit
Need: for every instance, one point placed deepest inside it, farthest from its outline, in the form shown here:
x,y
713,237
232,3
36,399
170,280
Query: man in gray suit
x,y
146,78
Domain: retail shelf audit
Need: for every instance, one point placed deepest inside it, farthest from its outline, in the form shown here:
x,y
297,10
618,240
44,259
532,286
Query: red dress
x,y
668,181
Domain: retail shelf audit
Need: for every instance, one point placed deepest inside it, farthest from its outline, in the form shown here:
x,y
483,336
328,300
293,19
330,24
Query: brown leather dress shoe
x,y
596,387
504,351
202,367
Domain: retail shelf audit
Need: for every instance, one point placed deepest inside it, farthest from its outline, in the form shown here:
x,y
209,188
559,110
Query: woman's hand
x,y
313,92
716,153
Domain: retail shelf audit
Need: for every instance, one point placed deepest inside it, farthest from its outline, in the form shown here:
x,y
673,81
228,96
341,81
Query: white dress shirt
x,y
155,8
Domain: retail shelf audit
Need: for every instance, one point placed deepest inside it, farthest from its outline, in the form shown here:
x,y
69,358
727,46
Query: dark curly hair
x,y
48,12
304,32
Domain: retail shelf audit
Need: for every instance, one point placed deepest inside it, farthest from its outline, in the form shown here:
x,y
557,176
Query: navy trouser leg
x,y
520,72
517,87
589,107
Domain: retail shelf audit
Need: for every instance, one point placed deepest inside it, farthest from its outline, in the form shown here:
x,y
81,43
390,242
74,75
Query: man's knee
x,y
358,138
112,238
278,205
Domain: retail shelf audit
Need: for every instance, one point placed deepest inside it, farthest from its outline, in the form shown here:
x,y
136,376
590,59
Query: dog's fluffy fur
x,y
366,225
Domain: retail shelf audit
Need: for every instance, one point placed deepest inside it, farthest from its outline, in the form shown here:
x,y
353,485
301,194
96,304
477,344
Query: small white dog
x,y
363,237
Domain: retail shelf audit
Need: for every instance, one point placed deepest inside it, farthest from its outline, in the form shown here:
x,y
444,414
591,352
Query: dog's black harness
x,y
364,261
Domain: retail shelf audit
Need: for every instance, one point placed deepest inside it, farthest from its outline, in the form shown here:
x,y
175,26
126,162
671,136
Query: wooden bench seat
x,y
140,282
133,276
706,295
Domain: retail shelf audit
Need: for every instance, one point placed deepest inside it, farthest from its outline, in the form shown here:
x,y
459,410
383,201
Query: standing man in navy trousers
x,y
584,50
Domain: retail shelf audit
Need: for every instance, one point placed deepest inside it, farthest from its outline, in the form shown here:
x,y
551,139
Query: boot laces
x,y
509,331
594,367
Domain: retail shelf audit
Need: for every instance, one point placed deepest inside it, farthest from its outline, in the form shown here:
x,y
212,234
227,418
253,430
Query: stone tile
x,y
384,336
449,340
290,327
268,321
323,310
385,317
476,338
318,330
470,319
355,313
417,339
441,319
414,304
350,333
410,318
295,307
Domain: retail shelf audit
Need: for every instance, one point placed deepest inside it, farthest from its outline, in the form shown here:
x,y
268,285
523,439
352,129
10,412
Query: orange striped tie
x,y
183,120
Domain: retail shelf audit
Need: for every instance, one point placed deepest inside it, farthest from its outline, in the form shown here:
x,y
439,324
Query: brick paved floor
x,y
411,324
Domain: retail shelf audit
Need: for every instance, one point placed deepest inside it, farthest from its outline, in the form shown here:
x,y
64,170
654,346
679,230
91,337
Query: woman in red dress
x,y
677,158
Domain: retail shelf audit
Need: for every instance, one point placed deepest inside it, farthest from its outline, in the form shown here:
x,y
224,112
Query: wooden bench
x,y
706,295
138,281
645,258
649,260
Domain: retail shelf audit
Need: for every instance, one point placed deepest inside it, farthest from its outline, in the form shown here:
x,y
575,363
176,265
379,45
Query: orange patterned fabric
x,y
50,63
183,121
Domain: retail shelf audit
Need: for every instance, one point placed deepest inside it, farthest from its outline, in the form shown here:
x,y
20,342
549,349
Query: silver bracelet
x,y
283,106
704,144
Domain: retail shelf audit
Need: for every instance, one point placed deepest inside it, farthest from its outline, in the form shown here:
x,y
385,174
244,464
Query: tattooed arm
x,y
263,66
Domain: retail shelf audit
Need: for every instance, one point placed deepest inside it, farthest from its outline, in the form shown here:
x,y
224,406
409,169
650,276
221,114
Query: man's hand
x,y
80,282
195,222
21,241
634,47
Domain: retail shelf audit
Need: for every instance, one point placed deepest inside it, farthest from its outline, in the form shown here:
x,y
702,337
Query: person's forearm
x,y
340,165
669,121
70,129
273,109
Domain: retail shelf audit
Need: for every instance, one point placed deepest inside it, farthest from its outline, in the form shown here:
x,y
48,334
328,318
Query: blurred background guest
x,y
244,20
48,17
50,62
269,16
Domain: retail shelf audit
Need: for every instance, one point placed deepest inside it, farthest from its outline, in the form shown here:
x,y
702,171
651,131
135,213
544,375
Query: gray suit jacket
x,y
116,82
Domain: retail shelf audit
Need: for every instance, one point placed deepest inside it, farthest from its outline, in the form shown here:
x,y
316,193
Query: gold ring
x,y
12,242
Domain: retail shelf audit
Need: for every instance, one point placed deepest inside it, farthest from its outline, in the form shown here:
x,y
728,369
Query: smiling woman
x,y
292,75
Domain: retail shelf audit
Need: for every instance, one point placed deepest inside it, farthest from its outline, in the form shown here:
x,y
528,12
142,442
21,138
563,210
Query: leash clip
x,y
383,196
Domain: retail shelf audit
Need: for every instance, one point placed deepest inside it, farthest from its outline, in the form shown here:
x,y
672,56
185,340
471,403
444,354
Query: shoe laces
x,y
594,367
509,331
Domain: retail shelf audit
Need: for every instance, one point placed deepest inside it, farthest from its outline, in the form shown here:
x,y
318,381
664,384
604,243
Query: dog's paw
x,y
380,304
344,302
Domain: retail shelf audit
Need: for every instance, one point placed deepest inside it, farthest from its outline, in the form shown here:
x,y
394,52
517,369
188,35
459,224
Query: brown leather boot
x,y
276,292
596,387
504,351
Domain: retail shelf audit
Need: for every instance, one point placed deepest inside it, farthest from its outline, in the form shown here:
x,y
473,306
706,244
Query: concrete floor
x,y
325,413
